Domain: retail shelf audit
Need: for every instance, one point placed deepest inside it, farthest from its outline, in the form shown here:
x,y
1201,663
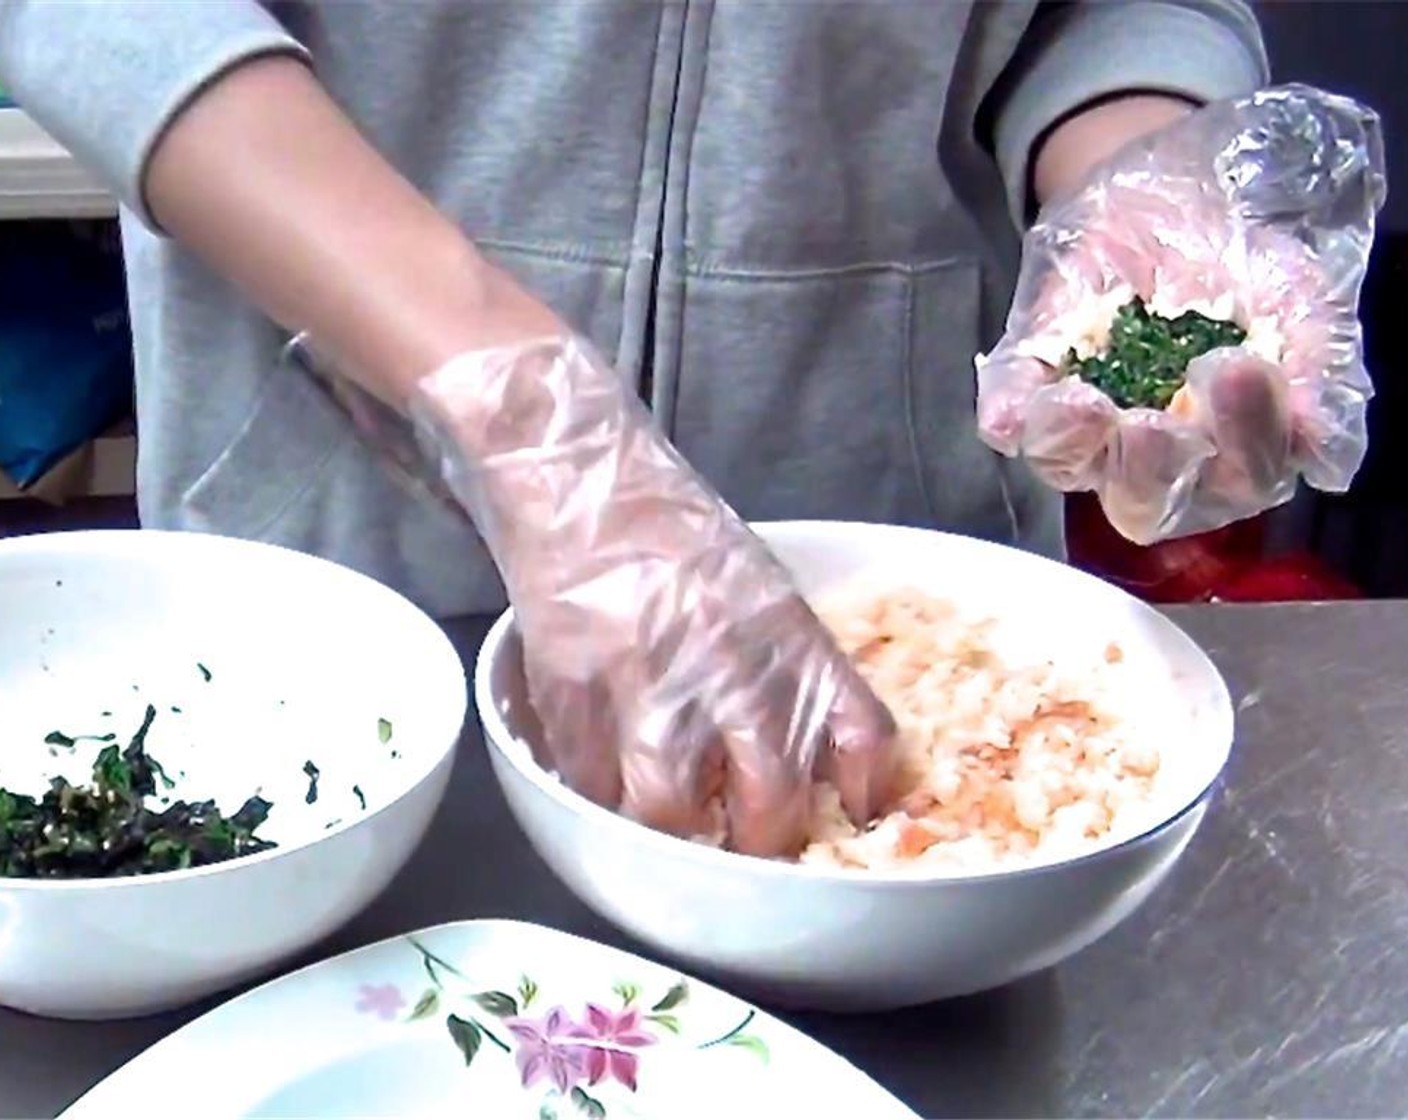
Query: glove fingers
x,y
770,709
1006,384
580,732
818,720
1151,475
1244,404
1069,428
860,760
768,799
1331,434
672,771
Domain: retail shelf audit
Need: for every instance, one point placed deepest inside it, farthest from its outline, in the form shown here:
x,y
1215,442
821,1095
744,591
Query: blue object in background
x,y
65,342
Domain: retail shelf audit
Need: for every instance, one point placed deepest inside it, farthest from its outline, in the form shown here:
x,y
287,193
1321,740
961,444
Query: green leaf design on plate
x,y
629,993
466,1036
730,1038
426,1006
497,1003
751,1042
383,730
673,998
546,1111
588,1104
434,964
527,992
669,1022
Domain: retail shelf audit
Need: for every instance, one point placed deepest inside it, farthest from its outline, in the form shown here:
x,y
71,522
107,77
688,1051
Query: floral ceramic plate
x,y
488,1019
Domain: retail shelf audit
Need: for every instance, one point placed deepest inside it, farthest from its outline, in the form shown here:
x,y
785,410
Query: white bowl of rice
x,y
1061,743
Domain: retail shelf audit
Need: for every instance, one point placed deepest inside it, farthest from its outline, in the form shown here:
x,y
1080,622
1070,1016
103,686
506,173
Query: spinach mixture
x,y
1143,365
104,829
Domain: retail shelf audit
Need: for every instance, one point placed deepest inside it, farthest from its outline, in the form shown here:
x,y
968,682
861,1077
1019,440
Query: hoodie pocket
x,y
839,394
295,442
278,457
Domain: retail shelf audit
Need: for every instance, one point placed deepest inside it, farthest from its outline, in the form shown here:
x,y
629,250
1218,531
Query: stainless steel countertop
x,y
1266,979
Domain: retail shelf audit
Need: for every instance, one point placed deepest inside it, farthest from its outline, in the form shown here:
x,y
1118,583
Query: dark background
x,y
1360,48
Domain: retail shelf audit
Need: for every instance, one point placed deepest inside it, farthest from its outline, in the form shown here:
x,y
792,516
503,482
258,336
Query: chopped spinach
x,y
313,774
105,830
1144,364
204,672
59,739
159,771
361,797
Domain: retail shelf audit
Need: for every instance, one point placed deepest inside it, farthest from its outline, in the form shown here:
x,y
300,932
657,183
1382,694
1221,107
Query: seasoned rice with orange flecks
x,y
1002,764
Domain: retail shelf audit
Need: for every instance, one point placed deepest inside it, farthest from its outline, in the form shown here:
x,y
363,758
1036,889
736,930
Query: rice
x,y
1002,764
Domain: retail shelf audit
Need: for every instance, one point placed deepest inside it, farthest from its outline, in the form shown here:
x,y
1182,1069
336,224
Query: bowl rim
x,y
81,541
520,758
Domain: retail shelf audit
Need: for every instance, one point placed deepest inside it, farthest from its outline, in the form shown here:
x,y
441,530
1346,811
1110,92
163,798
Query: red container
x,y
1226,565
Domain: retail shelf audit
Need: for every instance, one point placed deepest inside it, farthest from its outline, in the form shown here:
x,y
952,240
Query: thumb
x,y
1243,403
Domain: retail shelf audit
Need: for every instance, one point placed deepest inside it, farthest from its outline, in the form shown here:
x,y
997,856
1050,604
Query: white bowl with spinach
x,y
213,753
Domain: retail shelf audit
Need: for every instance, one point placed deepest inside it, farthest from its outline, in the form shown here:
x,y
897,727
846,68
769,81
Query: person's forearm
x,y
270,183
1073,148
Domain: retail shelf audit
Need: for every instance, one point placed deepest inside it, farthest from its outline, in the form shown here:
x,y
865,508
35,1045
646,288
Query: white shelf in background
x,y
39,179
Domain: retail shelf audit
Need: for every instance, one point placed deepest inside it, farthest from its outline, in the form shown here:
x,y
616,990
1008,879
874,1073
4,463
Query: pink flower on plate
x,y
545,1049
616,1034
381,1000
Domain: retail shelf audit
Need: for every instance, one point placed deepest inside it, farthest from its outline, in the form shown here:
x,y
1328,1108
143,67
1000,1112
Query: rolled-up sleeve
x,y
1078,52
106,77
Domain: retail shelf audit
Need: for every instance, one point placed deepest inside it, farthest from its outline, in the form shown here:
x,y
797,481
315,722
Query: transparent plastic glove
x,y
675,670
1260,210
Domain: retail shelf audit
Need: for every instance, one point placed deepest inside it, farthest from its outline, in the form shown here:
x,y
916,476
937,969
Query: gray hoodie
x,y
792,222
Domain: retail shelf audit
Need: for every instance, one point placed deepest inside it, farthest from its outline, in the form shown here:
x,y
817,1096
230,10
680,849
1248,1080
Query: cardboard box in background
x,y
65,363
102,468
40,181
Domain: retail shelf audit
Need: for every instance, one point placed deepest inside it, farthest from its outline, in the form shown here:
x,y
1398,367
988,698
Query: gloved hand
x,y
1259,211
675,670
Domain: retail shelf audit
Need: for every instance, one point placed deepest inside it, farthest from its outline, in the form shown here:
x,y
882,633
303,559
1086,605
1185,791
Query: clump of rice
x,y
1003,764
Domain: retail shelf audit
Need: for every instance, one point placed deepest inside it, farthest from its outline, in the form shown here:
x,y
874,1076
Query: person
x,y
636,271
